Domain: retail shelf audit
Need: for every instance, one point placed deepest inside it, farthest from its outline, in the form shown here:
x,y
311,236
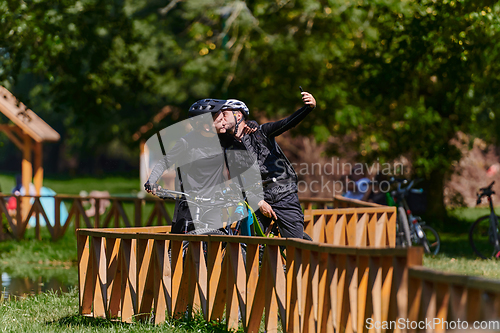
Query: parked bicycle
x,y
416,232
484,235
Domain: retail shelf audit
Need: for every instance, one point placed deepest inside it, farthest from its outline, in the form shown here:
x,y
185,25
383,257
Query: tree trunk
x,y
434,188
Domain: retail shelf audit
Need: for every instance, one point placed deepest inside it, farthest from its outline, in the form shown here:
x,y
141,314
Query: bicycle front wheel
x,y
431,241
481,240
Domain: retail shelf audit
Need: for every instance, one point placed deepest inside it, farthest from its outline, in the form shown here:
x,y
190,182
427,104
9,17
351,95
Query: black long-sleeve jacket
x,y
276,171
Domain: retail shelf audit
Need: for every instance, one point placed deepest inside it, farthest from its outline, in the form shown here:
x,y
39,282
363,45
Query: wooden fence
x,y
453,301
127,274
136,274
360,227
115,214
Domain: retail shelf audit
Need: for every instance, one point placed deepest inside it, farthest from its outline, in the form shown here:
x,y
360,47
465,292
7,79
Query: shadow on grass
x,y
454,232
195,324
456,245
78,320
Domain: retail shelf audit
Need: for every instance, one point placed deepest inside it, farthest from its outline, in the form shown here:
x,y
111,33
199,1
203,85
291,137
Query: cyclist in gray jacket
x,y
281,202
199,161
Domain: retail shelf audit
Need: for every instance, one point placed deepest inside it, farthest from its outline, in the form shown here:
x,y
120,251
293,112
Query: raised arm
x,y
276,128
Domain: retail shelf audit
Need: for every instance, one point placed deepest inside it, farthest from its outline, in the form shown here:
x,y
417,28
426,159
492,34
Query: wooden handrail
x,y
342,202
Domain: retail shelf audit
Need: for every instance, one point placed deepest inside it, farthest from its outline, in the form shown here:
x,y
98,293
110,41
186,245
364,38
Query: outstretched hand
x,y
308,99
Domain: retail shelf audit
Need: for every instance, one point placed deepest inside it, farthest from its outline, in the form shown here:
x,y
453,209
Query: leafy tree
x,y
400,78
431,72
396,77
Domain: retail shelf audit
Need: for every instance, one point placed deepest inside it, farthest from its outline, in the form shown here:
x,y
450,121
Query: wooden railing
x,y
115,214
448,299
337,201
128,274
341,202
136,274
360,227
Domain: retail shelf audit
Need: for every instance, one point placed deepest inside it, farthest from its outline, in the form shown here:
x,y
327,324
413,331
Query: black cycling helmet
x,y
205,106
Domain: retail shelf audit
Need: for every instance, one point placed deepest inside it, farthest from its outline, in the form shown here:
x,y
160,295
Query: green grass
x,y
456,255
49,312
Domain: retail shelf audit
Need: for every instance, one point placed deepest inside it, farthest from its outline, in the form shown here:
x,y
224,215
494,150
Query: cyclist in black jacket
x,y
281,201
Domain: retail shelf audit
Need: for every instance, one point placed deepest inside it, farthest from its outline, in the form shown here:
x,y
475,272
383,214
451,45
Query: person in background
x,y
378,194
357,184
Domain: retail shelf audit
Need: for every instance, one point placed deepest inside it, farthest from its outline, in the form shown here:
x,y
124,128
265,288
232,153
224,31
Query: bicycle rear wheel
x,y
431,241
403,236
481,240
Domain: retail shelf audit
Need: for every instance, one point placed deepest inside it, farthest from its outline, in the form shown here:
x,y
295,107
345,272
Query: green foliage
x,y
418,80
398,77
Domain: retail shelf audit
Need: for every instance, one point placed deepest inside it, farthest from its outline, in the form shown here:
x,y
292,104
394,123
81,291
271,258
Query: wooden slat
x,y
236,286
145,278
163,281
113,276
129,280
214,265
67,222
100,278
121,211
79,207
85,271
40,210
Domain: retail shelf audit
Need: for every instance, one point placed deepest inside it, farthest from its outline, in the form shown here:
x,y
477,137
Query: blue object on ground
x,y
49,205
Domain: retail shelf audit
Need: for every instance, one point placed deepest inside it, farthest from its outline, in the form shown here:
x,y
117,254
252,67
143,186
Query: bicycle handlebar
x,y
485,192
487,187
400,181
228,196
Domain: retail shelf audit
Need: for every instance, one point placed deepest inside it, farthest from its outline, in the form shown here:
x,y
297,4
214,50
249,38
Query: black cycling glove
x,y
252,124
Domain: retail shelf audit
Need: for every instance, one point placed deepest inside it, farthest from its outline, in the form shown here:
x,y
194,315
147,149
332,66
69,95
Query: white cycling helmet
x,y
236,105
